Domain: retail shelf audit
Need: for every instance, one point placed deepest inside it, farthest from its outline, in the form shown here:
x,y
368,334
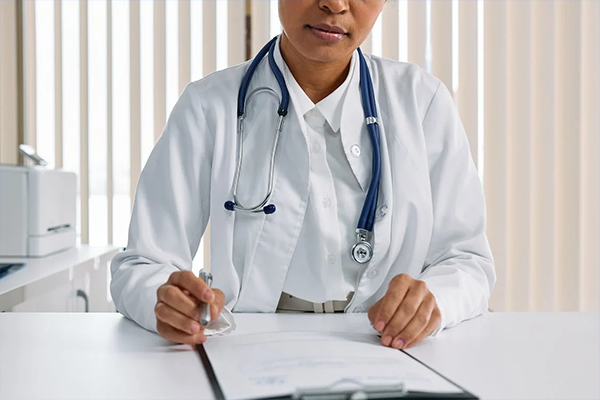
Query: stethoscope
x,y
362,250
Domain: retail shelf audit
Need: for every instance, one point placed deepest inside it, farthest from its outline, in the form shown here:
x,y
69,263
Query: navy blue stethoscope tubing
x,y
367,216
285,95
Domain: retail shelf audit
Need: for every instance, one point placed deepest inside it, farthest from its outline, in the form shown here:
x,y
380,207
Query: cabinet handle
x,y
84,296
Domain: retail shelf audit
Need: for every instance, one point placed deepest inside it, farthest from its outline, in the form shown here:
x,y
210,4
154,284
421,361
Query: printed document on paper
x,y
276,364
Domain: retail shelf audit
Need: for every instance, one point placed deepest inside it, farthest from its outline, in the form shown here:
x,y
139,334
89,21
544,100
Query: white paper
x,y
276,364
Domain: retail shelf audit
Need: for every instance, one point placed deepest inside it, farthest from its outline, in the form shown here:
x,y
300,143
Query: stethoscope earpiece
x,y
230,205
268,209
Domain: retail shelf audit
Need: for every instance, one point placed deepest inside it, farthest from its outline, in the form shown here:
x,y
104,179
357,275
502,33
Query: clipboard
x,y
343,389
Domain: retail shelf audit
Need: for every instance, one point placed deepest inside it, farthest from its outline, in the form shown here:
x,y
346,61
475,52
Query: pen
x,y
205,307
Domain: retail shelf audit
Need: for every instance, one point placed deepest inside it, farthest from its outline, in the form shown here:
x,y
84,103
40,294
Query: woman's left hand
x,y
407,313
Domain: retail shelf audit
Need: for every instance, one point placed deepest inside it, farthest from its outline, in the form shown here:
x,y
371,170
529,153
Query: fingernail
x,y
202,339
398,344
379,326
195,328
208,295
387,339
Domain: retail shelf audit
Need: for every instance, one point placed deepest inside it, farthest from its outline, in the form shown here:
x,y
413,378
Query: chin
x,y
325,53
324,57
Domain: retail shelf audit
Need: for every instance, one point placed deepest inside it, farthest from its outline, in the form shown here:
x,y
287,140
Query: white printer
x,y
37,211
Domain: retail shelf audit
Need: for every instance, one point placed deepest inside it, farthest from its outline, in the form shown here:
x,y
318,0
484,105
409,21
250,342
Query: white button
x,y
331,259
316,147
373,273
355,150
326,202
383,210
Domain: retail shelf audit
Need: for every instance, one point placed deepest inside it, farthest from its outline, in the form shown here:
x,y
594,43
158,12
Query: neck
x,y
317,79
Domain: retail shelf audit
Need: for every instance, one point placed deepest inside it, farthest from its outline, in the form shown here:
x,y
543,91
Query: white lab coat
x,y
431,214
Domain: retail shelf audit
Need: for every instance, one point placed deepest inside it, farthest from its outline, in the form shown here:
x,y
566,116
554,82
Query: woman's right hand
x,y
178,307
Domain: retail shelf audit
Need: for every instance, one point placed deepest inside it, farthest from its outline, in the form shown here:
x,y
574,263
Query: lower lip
x,y
330,37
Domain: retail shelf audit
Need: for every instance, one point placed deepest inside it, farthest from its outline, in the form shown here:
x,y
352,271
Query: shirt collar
x,y
331,106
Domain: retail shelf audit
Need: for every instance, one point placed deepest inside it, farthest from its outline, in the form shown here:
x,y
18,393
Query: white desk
x,y
105,356
44,274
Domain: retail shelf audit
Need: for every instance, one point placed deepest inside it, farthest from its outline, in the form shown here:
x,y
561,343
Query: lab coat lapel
x,y
383,226
375,272
354,134
266,270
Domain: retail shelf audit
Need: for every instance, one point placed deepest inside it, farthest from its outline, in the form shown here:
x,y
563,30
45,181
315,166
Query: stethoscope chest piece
x,y
362,251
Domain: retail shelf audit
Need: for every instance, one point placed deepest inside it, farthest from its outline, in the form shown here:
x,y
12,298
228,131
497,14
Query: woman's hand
x,y
407,313
178,307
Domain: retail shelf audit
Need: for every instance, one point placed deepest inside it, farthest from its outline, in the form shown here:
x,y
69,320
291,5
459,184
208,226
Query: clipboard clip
x,y
351,389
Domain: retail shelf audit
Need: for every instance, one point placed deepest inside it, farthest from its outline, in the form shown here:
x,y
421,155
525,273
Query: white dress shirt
x,y
321,268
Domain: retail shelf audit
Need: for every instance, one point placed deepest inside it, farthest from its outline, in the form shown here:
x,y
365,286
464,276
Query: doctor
x,y
365,143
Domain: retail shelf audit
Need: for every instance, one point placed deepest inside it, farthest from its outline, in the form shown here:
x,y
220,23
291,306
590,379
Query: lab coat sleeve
x,y
170,212
459,268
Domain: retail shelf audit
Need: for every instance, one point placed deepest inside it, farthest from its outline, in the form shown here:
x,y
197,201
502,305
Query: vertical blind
x,y
100,78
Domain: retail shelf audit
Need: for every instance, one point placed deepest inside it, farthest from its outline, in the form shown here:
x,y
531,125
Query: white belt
x,y
289,303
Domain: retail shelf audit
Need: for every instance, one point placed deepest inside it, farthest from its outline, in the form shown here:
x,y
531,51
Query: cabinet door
x,y
55,299
99,293
79,296
82,288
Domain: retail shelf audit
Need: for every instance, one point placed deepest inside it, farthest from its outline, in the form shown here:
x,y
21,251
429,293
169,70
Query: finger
x,y
405,312
416,325
217,304
372,314
186,280
177,336
434,322
177,299
170,316
393,298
